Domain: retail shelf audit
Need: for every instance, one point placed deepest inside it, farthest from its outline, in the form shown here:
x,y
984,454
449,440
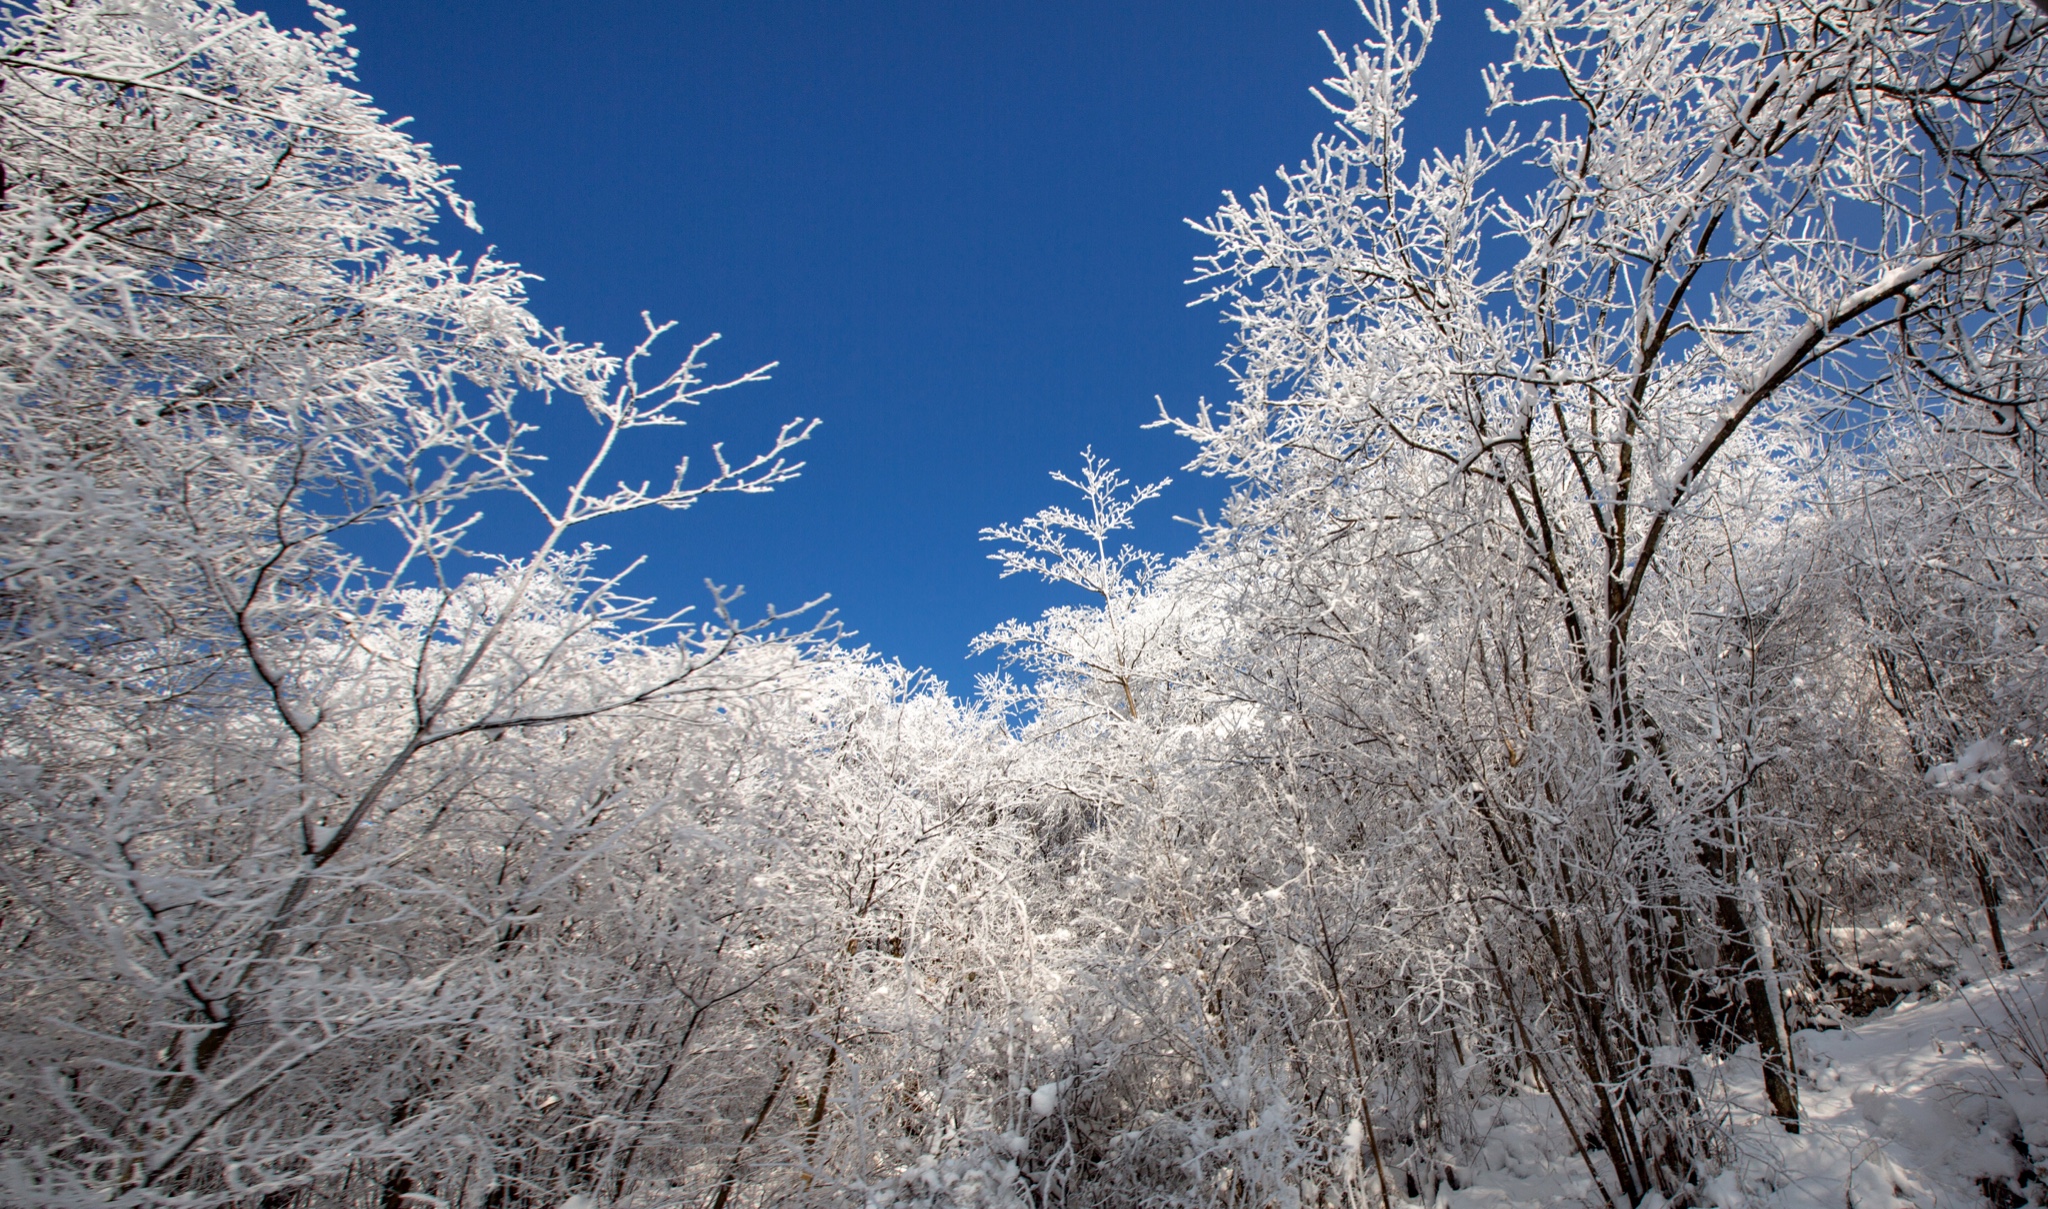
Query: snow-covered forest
x,y
1594,758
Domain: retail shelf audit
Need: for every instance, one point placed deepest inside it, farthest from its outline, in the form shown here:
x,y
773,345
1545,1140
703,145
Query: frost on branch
x,y
1060,545
1619,659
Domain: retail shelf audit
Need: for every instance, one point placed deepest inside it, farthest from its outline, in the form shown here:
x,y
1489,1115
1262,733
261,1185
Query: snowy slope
x,y
1935,1103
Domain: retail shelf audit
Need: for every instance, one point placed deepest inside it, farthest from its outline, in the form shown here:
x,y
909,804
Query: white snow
x,y
1045,1099
1924,1105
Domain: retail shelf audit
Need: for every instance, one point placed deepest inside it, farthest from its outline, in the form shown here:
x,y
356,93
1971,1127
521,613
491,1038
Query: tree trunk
x,y
1987,888
1751,950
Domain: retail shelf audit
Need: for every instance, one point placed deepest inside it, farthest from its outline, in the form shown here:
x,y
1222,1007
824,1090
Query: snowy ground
x,y
1938,1102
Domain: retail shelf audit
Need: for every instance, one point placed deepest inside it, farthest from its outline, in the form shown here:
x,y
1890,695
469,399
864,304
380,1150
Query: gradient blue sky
x,y
958,227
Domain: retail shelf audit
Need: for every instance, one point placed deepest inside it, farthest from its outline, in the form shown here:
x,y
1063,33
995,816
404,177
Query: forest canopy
x,y
1619,663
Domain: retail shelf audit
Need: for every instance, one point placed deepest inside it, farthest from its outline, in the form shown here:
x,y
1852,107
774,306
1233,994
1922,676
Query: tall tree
x,y
291,837
1740,232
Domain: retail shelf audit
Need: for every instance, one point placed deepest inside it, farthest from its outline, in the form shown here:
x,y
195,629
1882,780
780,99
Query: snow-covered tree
x,y
311,863
1543,444
1633,572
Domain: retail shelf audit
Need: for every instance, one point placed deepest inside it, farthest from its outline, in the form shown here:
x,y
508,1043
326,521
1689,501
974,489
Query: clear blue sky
x,y
958,226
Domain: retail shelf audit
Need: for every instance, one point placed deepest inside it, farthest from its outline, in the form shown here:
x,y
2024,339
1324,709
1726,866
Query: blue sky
x,y
957,226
